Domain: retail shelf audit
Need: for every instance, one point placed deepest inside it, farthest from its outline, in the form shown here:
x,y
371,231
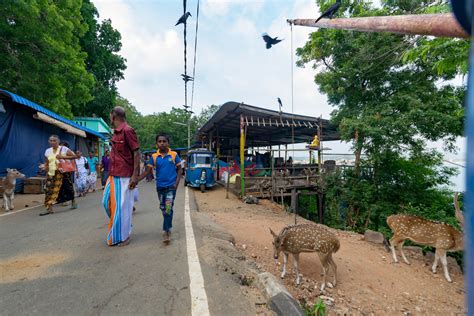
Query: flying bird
x,y
183,18
270,41
329,13
187,78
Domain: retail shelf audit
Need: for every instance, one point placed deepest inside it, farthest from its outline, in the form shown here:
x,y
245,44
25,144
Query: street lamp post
x,y
188,124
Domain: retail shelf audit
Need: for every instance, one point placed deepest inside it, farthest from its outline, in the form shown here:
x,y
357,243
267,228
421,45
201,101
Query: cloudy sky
x,y
232,62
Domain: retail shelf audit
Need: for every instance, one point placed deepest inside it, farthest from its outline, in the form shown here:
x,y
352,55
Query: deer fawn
x,y
442,236
306,238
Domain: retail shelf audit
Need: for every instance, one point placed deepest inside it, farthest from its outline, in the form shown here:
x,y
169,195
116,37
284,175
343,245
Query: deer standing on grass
x,y
306,238
442,236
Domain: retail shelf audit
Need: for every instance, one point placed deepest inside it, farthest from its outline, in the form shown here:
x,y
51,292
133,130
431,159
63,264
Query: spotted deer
x,y
295,239
9,188
425,232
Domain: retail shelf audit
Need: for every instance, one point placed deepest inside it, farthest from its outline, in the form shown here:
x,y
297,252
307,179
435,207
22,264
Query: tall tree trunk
x,y
358,152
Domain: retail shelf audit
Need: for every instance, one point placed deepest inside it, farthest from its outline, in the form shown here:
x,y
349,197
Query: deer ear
x,y
8,169
271,232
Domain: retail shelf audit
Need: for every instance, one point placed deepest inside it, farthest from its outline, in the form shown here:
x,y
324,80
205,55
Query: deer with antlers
x,y
425,232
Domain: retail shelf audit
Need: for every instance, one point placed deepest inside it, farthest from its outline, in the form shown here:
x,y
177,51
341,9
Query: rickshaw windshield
x,y
201,159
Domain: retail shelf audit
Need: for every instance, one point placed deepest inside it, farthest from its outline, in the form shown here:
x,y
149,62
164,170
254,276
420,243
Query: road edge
x,y
279,299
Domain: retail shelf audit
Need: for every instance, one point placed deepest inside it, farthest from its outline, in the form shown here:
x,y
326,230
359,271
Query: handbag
x,y
66,165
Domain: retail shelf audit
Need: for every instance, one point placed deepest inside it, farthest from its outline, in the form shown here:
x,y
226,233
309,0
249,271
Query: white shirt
x,y
81,163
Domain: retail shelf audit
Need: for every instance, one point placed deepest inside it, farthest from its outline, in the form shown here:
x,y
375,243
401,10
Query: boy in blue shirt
x,y
168,170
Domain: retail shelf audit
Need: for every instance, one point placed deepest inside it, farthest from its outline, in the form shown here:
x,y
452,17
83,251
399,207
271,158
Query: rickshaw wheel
x,y
203,188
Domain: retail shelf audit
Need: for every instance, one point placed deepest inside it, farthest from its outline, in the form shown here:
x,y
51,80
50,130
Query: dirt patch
x,y
367,280
23,201
28,267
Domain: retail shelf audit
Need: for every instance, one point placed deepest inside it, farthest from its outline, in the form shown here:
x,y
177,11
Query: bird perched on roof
x,y
183,18
329,13
270,41
187,78
279,102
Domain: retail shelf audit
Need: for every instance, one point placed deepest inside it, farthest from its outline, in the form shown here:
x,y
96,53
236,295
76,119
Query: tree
x,y
40,56
388,106
102,43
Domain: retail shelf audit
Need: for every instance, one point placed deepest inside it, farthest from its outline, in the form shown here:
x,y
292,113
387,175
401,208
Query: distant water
x,y
458,182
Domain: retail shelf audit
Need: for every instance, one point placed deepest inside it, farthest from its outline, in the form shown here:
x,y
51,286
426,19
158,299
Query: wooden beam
x,y
440,25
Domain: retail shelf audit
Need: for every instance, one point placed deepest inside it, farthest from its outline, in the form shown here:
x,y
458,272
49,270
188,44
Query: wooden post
x,y
320,208
272,174
282,200
320,147
228,179
218,144
440,25
242,158
294,202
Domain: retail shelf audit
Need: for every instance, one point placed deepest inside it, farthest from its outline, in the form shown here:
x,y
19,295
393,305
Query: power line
x,y
195,53
185,59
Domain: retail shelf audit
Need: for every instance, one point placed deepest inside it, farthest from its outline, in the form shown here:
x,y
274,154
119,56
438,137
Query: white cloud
x,y
223,7
232,62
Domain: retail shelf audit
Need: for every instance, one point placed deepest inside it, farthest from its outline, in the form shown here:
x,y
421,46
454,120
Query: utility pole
x,y
440,25
190,113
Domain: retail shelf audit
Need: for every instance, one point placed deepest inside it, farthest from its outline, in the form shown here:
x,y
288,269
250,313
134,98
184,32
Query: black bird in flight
x,y
270,41
329,13
187,78
183,18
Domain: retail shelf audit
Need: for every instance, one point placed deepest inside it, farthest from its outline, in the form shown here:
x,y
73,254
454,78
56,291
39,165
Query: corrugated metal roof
x,y
226,123
20,100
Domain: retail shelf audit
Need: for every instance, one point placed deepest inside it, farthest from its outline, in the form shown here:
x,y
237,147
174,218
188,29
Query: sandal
x,y
124,243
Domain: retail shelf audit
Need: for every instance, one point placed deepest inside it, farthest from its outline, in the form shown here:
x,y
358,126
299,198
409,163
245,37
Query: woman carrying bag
x,y
68,168
53,156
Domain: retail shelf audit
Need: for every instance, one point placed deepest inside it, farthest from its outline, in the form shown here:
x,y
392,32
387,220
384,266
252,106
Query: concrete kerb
x,y
277,296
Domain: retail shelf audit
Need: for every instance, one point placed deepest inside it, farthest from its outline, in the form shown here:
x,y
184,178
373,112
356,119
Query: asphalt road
x,y
60,264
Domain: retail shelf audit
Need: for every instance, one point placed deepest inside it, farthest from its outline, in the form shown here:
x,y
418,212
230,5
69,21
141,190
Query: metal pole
x,y
469,197
189,133
242,158
440,25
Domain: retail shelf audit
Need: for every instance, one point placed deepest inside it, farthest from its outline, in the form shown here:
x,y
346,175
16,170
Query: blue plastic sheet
x,y
23,139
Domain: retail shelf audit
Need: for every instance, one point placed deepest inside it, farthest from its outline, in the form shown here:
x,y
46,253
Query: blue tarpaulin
x,y
24,139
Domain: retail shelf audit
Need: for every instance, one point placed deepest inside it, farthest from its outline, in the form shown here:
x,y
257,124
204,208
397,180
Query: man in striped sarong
x,y
123,172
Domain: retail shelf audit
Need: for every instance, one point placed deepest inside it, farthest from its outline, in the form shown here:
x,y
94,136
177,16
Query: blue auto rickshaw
x,y
201,169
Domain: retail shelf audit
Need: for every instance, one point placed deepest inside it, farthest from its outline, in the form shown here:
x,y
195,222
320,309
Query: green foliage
x,y
318,309
148,126
40,55
390,97
102,43
57,54
448,57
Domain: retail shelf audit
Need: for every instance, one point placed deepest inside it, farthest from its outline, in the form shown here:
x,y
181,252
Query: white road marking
x,y
23,209
199,305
